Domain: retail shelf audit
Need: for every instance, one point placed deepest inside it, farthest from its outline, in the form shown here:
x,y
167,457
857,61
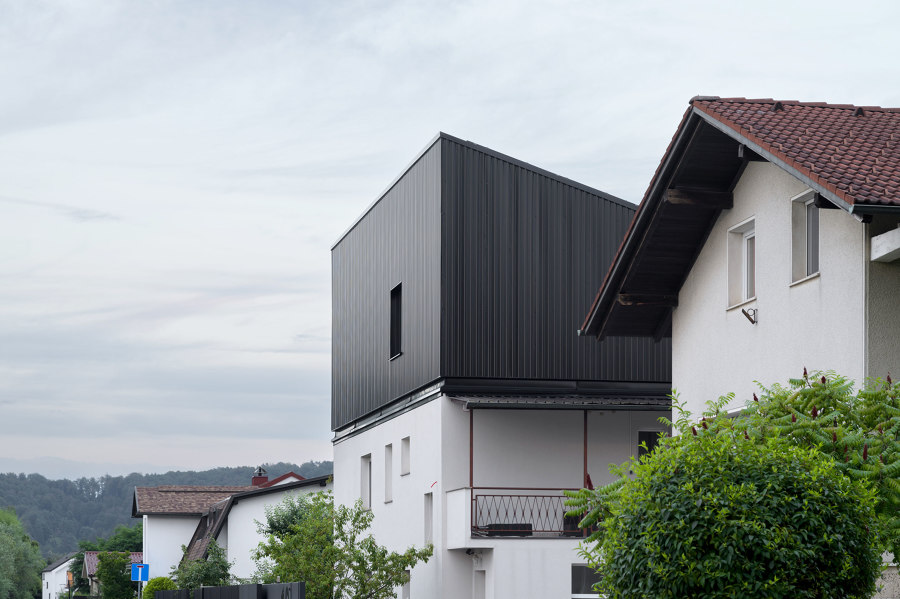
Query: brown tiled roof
x,y
91,561
180,499
852,151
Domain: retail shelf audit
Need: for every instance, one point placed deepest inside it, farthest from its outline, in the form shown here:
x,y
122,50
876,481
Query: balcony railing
x,y
519,512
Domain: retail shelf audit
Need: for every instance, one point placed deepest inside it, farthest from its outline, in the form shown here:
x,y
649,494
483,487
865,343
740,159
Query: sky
x,y
173,175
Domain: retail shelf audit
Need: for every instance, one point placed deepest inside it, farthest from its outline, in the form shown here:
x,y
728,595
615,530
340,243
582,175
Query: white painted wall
x,y
53,583
540,448
163,538
241,535
883,309
819,323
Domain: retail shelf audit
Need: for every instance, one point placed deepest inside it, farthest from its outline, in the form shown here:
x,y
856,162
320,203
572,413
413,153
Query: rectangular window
x,y
741,262
429,518
404,590
480,584
404,456
583,580
388,473
804,236
365,481
648,439
396,313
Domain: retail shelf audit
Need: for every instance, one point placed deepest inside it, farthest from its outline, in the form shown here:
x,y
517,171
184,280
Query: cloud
x,y
72,212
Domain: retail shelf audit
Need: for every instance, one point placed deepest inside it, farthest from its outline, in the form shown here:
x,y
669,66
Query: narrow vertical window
x,y
480,584
741,262
429,518
365,481
749,265
812,238
388,473
404,456
404,590
396,318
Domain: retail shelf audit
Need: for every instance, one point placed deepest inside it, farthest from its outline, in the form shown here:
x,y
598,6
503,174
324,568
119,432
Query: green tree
x,y
114,575
718,512
310,539
159,583
20,560
123,538
215,570
859,430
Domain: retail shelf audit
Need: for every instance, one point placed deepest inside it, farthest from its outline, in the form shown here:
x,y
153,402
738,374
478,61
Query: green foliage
x,y
311,539
60,513
860,431
122,539
159,583
215,570
20,560
718,512
114,575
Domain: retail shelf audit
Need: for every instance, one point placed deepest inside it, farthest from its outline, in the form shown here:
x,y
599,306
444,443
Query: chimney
x,y
259,477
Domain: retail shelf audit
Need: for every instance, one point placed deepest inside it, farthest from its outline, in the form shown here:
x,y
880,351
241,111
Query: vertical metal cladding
x,y
524,252
396,241
499,263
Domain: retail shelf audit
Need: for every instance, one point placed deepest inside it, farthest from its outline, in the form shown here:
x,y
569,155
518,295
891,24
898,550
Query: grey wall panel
x,y
523,254
397,241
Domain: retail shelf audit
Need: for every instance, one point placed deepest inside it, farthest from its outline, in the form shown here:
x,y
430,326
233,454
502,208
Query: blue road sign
x,y
140,572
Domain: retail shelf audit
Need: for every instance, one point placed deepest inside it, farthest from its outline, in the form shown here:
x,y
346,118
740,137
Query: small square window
x,y
583,580
804,236
742,262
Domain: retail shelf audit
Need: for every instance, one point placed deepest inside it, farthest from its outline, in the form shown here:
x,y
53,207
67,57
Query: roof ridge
x,y
741,100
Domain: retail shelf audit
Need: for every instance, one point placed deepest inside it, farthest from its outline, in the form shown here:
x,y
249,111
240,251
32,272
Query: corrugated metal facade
x,y
522,253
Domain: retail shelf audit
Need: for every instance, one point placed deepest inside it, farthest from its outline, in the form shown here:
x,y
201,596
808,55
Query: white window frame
x,y
738,264
365,481
404,456
388,473
801,269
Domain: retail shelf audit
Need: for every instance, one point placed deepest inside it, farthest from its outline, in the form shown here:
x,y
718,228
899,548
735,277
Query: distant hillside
x,y
59,513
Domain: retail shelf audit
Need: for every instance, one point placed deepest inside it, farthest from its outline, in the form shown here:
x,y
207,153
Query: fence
x,y
521,513
283,590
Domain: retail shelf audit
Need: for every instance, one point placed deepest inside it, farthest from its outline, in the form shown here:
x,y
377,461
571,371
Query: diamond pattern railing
x,y
521,513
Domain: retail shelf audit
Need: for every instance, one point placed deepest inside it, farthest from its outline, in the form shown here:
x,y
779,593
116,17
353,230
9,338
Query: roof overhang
x,y
564,402
692,185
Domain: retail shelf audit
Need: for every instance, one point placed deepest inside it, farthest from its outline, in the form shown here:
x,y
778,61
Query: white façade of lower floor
x,y
461,479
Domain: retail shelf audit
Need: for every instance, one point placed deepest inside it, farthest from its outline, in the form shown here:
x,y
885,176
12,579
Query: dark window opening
x,y
396,310
650,439
583,580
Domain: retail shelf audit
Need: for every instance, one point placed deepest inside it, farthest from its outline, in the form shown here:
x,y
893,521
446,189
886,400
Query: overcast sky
x,y
173,175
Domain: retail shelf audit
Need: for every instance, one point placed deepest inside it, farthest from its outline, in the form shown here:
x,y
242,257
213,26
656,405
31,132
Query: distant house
x,y
767,242
89,569
190,516
462,400
56,578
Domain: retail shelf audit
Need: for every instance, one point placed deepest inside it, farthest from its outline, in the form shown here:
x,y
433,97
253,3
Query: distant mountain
x,y
59,513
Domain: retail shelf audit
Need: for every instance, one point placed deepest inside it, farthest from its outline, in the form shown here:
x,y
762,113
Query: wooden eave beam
x,y
700,198
647,299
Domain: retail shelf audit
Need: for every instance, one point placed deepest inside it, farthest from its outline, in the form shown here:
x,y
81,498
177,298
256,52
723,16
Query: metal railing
x,y
521,512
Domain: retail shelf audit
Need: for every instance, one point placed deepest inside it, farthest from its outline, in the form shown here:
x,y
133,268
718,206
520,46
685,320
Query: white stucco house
x,y
190,515
768,242
56,579
463,402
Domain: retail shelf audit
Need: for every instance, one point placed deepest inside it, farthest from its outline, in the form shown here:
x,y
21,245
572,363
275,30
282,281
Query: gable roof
x,y
288,477
180,500
211,523
847,154
91,561
64,560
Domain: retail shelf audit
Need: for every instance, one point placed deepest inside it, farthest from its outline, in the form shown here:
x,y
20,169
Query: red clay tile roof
x,y
91,561
852,151
180,499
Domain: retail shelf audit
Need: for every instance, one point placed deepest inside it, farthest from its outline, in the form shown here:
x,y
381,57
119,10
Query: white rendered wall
x,y
883,310
54,582
242,537
818,324
539,448
163,538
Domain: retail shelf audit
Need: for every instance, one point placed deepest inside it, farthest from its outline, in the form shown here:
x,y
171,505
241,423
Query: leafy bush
x,y
159,583
715,512
311,539
860,431
215,570
20,560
